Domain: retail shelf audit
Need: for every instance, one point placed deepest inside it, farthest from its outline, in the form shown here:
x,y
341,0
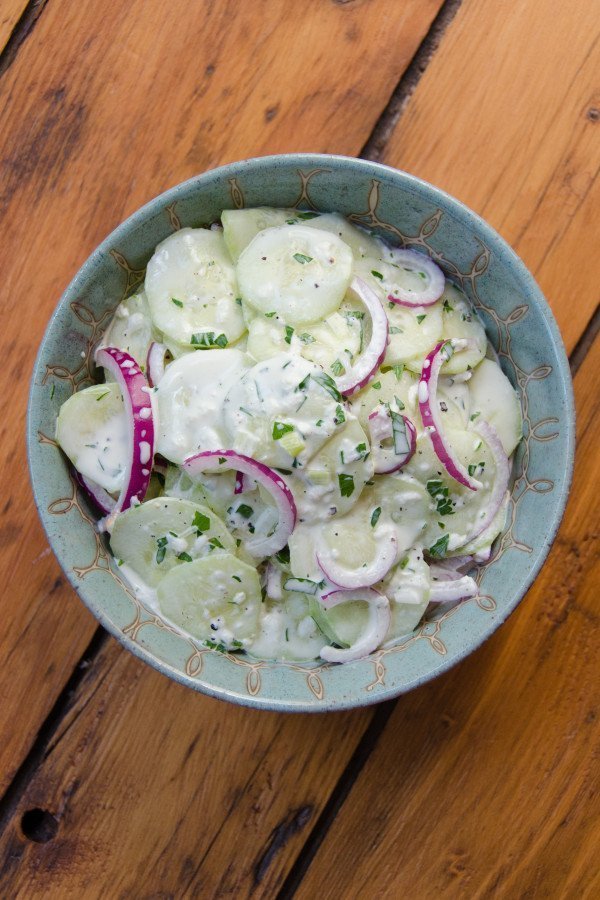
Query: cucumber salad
x,y
302,438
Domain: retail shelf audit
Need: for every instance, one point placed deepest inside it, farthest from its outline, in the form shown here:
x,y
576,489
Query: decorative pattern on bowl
x,y
519,324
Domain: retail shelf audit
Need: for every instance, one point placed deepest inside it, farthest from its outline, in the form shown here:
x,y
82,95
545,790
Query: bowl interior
x,y
518,322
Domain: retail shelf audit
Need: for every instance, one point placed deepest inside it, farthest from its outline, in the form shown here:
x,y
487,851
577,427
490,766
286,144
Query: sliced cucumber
x,y
407,587
92,430
454,509
214,491
459,320
152,537
190,399
297,272
240,226
402,502
192,290
454,402
413,333
386,276
272,413
342,625
131,328
361,242
494,399
333,480
389,385
489,535
287,630
215,599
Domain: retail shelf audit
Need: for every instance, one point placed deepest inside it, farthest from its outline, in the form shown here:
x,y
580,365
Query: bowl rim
x,y
465,217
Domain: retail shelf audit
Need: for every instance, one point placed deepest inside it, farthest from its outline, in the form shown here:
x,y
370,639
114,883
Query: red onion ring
x,y
490,436
240,485
95,493
155,363
371,358
429,407
377,628
381,427
140,428
387,553
269,479
411,259
453,589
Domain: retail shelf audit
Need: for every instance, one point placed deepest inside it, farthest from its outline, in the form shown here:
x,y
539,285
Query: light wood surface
x,y
98,116
10,13
479,784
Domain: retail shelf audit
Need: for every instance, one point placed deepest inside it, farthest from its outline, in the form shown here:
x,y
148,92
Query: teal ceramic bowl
x,y
519,324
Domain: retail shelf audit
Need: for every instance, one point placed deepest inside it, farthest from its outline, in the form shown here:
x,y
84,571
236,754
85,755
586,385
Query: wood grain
x,y
99,115
160,792
10,13
485,783
507,118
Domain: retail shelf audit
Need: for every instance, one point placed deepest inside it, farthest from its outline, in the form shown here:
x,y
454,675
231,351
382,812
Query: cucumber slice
x,y
361,242
190,399
192,289
240,226
303,558
402,503
276,397
342,464
496,401
385,275
287,630
215,599
455,402
300,273
389,386
459,320
342,625
407,587
92,430
487,537
150,538
454,509
413,332
131,329
214,491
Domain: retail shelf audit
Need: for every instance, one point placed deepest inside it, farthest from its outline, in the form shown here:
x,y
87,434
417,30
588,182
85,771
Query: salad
x,y
302,439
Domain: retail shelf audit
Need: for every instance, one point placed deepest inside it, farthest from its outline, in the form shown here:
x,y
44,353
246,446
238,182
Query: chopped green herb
x,y
337,368
269,315
287,636
421,318
162,549
289,331
328,384
302,258
235,641
200,522
440,547
245,510
238,300
102,396
395,330
281,428
185,557
376,385
246,412
376,274
474,416
472,468
404,562
318,423
291,221
52,391
215,542
447,307
361,448
214,646
399,403
222,460
306,338
304,383
176,302
340,416
307,215
207,339
120,562
346,485
375,516
283,556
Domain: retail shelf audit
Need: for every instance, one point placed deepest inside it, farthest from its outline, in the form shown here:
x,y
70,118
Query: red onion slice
x,y
372,356
377,626
453,589
274,581
155,363
140,427
240,484
340,576
96,493
222,460
386,424
490,436
429,407
414,261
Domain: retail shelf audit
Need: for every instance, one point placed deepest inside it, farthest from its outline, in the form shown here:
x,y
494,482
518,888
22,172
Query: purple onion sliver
x,y
374,353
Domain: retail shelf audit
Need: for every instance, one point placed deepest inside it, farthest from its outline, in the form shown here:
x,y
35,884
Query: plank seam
x,y
43,739
584,344
23,28
388,119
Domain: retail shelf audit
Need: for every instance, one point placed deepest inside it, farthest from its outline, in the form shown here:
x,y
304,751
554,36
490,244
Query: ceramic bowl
x,y
519,324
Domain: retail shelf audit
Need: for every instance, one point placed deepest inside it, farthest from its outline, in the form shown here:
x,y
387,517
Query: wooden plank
x,y
160,792
97,117
484,783
10,13
508,122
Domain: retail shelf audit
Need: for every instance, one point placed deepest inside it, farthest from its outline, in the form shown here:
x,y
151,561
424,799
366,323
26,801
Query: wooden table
x,y
120,783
